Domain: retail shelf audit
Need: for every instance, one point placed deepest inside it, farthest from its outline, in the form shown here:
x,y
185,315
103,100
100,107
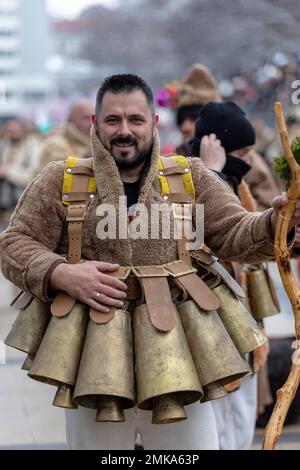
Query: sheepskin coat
x,y
36,240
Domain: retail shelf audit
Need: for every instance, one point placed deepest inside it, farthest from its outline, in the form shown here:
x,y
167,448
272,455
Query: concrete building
x,y
24,51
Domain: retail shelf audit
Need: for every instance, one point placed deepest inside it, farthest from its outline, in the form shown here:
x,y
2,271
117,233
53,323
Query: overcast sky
x,y
71,8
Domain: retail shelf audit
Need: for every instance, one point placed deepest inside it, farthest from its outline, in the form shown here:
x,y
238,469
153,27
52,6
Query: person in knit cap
x,y
236,134
198,88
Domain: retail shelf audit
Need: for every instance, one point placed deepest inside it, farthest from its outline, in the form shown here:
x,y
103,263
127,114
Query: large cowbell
x,y
263,299
106,375
165,373
57,360
29,328
240,325
216,358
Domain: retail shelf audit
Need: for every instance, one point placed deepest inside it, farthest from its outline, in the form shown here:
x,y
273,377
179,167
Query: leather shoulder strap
x,y
175,179
79,181
78,187
177,188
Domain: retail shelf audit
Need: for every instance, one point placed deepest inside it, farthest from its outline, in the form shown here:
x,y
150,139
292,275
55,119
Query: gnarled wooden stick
x,y
286,393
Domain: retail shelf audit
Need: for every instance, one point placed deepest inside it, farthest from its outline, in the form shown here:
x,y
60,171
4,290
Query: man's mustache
x,y
124,141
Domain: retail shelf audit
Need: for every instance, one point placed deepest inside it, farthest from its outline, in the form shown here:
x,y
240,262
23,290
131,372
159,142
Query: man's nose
x,y
124,128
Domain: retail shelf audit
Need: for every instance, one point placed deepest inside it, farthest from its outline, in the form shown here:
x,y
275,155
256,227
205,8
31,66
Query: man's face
x,y
127,127
187,129
15,130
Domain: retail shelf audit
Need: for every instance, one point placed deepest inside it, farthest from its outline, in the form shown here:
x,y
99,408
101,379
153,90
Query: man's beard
x,y
140,157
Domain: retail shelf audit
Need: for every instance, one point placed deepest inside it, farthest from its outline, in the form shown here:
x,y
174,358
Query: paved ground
x,y
28,421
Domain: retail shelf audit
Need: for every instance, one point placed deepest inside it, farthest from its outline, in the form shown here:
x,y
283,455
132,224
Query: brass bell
x,y
216,358
165,373
263,299
167,409
240,325
28,330
213,391
27,364
57,360
105,379
64,397
244,284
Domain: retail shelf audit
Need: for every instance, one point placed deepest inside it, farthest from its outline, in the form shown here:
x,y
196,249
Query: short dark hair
x,y
124,83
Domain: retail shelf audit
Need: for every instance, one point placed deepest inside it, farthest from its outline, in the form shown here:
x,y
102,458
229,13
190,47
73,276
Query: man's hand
x,y
90,283
279,202
212,153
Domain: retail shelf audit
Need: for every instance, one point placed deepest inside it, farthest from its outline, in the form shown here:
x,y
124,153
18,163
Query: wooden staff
x,y
286,393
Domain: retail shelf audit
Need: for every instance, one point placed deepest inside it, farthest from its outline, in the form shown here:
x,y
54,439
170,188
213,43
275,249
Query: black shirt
x,y
132,192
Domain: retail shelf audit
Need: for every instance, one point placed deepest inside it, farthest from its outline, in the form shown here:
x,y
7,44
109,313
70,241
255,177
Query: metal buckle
x,y
162,273
190,270
72,218
125,273
182,208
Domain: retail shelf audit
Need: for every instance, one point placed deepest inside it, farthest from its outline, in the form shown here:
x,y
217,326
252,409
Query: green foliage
x,y
281,166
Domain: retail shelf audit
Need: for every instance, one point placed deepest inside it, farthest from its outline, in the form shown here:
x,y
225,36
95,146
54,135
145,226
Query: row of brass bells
x,y
217,360
57,360
262,294
240,325
105,379
165,372
28,330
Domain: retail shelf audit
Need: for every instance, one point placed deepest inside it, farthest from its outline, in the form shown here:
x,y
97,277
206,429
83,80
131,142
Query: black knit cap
x,y
228,121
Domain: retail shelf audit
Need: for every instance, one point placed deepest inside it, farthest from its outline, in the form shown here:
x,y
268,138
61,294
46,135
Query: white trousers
x,y
236,416
197,432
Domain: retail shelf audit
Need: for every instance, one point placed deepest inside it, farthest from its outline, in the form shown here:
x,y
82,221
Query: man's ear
x,y
94,120
156,120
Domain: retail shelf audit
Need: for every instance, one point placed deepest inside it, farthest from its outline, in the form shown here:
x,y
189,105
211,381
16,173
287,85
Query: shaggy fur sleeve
x,y
229,230
27,247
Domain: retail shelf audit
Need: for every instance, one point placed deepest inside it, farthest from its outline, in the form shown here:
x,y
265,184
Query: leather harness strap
x,y
76,212
153,279
182,207
63,302
157,295
187,278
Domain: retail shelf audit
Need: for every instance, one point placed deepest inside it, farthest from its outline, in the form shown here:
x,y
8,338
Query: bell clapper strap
x,y
156,290
181,203
103,318
76,202
186,277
